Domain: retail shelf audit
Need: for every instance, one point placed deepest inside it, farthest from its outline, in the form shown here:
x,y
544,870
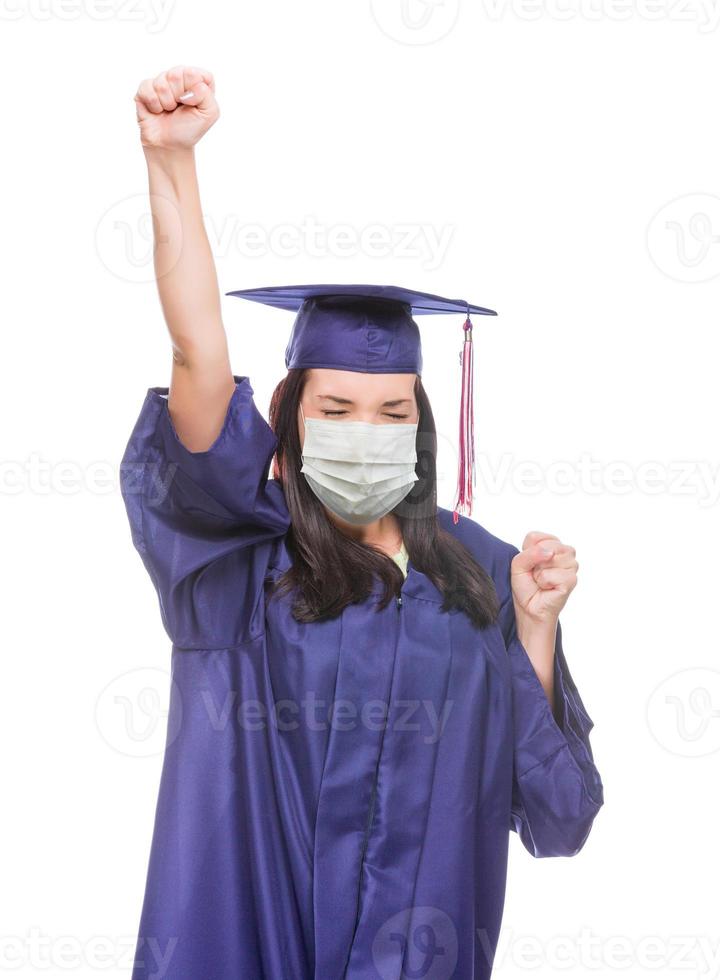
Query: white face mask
x,y
359,470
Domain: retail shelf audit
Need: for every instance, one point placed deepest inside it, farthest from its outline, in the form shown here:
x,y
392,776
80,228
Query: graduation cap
x,y
371,329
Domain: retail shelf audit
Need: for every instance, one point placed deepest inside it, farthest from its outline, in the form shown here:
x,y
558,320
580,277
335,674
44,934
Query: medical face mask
x,y
359,470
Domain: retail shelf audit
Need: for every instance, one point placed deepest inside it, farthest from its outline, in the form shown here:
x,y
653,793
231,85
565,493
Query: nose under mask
x,y
359,470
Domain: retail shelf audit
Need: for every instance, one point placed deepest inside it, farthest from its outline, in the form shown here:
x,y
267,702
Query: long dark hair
x,y
331,569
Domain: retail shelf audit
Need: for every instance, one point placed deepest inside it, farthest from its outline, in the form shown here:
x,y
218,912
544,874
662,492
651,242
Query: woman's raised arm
x,y
171,122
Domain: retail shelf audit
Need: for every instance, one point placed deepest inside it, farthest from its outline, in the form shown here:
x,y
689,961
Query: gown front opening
x,y
336,798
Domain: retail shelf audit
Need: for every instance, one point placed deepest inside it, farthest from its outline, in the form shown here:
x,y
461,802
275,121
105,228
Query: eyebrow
x,y
348,401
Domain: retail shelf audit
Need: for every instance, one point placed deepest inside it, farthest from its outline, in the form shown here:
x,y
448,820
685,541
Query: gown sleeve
x,y
203,522
557,789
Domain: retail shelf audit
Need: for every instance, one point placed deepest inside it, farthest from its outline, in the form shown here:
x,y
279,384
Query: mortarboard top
x,y
292,297
367,328
356,327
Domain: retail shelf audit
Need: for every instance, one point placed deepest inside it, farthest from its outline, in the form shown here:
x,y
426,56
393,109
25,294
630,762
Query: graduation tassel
x,y
466,465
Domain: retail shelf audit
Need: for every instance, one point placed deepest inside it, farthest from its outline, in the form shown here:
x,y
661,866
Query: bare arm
x,y
202,381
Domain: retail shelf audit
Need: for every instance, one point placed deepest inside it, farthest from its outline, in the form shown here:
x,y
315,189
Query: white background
x,y
568,156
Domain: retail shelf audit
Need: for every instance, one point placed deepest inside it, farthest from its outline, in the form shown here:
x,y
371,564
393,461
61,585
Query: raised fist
x,y
542,576
176,109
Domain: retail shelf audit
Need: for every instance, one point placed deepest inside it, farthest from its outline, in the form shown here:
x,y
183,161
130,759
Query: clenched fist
x,y
542,576
176,109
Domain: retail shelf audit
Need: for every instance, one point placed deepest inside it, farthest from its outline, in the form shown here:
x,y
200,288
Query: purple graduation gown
x,y
291,844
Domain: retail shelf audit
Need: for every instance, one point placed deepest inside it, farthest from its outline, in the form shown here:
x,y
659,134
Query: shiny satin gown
x,y
292,843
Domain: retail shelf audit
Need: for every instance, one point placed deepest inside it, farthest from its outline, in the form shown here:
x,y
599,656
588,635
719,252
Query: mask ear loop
x,y
302,457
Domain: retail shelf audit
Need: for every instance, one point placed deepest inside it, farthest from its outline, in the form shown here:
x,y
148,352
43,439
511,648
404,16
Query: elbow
x,y
554,816
544,838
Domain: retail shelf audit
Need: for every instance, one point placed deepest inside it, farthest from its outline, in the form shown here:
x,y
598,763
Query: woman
x,y
368,695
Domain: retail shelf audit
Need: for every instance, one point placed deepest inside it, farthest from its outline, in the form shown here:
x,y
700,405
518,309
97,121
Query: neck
x,y
384,533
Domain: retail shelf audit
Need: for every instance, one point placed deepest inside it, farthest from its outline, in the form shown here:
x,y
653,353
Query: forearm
x,y
184,265
538,641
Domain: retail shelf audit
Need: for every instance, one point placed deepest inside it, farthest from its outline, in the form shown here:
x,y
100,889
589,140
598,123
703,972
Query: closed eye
x,y
338,412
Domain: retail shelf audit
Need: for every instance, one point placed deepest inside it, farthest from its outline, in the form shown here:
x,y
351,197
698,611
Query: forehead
x,y
358,386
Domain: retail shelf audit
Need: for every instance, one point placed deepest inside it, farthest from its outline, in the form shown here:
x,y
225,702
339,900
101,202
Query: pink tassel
x,y
466,466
